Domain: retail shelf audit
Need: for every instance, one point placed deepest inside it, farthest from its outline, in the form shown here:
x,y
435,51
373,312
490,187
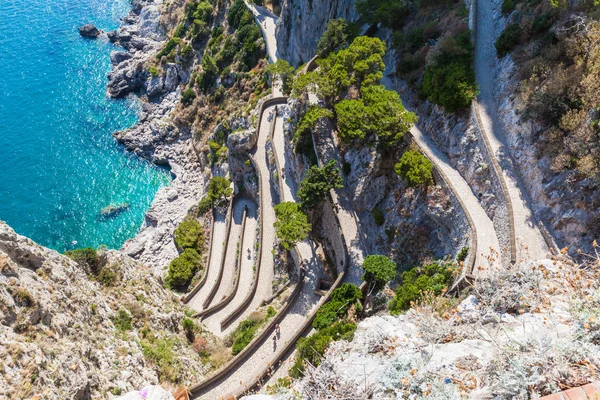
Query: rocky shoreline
x,y
155,138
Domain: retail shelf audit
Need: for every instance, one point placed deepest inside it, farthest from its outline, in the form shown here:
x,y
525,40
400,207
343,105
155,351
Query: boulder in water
x,y
112,210
89,31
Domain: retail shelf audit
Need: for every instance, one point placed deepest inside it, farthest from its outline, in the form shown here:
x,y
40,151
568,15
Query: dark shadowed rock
x,y
89,31
117,57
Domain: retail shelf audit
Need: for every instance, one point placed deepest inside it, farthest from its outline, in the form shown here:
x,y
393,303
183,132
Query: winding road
x,y
529,241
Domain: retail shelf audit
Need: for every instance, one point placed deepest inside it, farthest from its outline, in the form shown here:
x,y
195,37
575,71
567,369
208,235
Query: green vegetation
x,y
152,70
302,136
162,352
338,35
23,297
190,328
508,39
246,330
204,206
379,270
508,6
285,72
183,268
449,78
317,183
107,275
390,13
86,258
378,216
219,189
379,113
292,224
434,278
188,96
239,15
189,234
312,348
414,168
342,298
169,47
462,254
122,321
372,113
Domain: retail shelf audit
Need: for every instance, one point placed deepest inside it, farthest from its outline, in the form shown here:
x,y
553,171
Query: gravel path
x,y
213,322
529,239
219,234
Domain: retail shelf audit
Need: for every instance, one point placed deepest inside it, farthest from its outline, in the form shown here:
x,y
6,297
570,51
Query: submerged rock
x,y
112,210
89,31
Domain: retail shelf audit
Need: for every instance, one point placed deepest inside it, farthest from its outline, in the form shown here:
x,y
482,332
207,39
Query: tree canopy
x,y
219,189
183,268
337,35
379,270
292,224
415,168
317,183
285,72
189,234
379,113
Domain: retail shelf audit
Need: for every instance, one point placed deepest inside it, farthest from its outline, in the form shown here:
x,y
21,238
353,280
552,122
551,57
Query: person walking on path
x,y
277,331
274,342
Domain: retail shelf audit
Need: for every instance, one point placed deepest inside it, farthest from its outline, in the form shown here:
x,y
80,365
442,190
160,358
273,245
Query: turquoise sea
x,y
59,164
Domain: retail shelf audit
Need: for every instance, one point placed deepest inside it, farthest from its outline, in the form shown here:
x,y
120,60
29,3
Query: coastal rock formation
x,y
89,31
68,333
303,22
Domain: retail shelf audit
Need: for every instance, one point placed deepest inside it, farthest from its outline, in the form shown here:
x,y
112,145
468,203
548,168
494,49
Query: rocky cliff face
x,y
302,23
68,333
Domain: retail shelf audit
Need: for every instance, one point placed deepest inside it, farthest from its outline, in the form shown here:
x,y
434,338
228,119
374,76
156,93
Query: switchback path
x,y
528,236
246,261
268,23
219,234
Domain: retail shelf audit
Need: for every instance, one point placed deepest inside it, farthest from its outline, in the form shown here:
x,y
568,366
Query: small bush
x,y
508,6
189,234
462,254
107,276
86,258
163,354
415,168
434,278
508,39
153,71
379,270
378,216
204,206
243,335
188,96
182,269
122,321
292,224
23,297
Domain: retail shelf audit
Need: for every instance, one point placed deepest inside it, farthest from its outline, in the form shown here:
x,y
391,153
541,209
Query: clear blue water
x,y
59,164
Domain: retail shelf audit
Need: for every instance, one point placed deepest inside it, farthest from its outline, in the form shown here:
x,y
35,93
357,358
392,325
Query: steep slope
x,y
72,332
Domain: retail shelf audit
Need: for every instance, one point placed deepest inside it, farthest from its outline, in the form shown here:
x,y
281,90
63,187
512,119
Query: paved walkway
x,y
526,229
213,321
268,23
486,234
219,233
303,304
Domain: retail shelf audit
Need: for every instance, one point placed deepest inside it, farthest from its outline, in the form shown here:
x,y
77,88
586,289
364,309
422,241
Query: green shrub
x,y
328,314
508,39
107,276
189,234
284,71
415,169
189,327
449,78
462,254
249,38
317,183
378,216
219,189
198,10
122,321
188,96
235,18
171,44
312,348
87,258
204,206
292,224
182,269
508,6
337,36
162,353
434,278
152,70
389,13
379,270
23,297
